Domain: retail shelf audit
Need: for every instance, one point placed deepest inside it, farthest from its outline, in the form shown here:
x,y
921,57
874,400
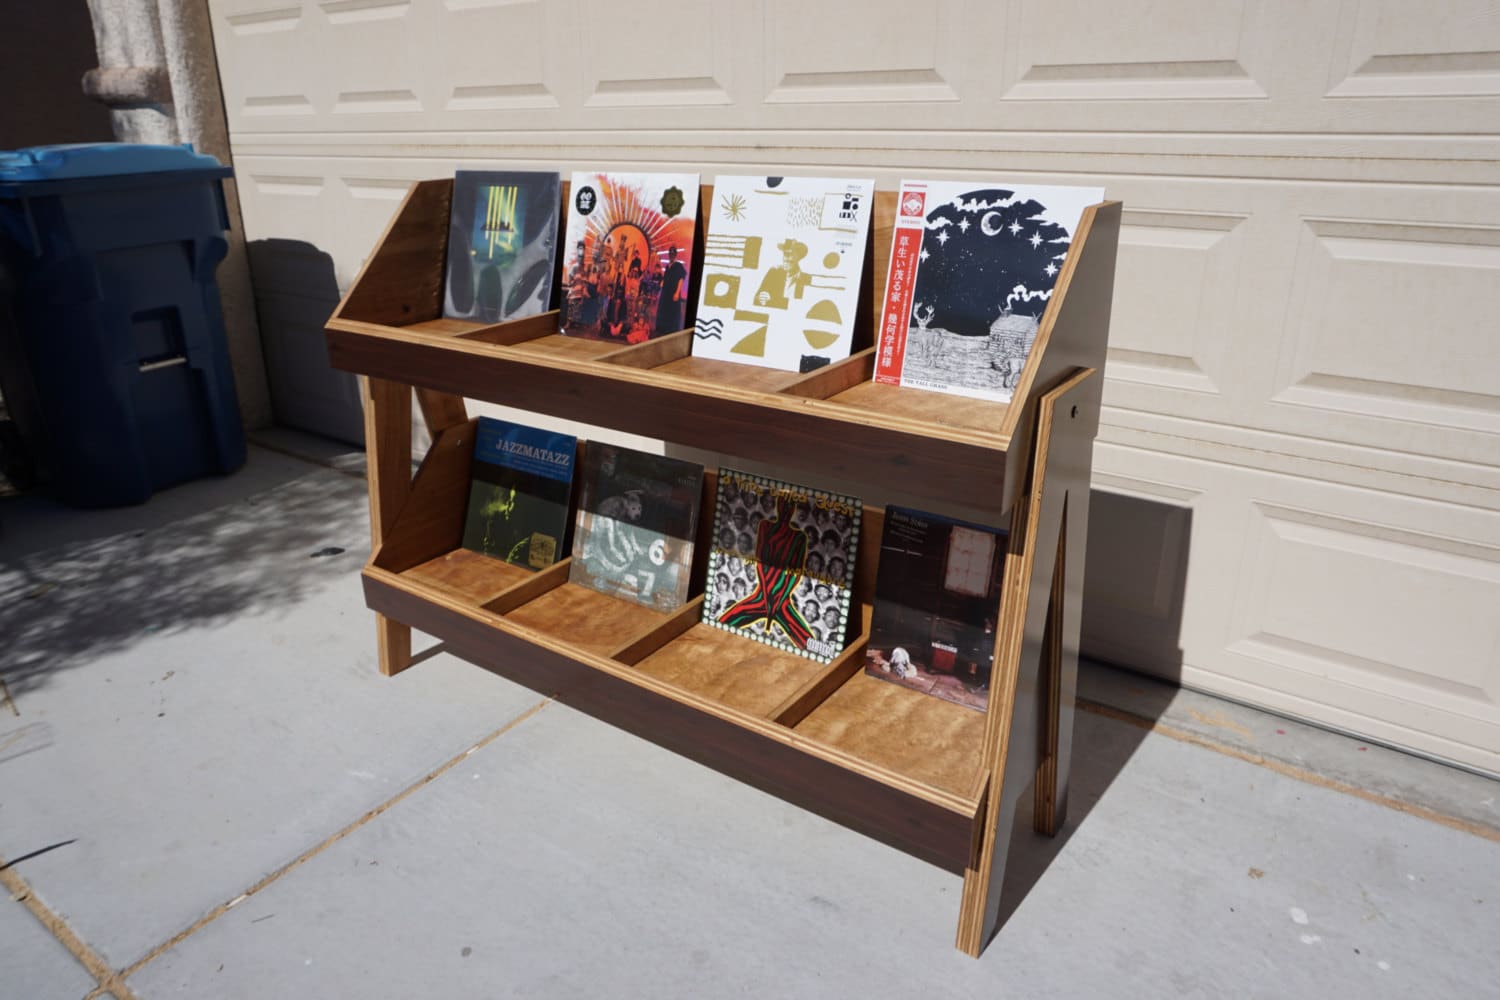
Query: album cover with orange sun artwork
x,y
782,263
627,255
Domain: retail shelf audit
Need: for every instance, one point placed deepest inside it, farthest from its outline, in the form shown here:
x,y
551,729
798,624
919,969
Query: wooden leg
x,y
1036,662
1067,596
440,410
388,468
1064,621
392,645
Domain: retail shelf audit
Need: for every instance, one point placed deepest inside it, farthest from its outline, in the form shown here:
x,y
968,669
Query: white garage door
x,y
1299,496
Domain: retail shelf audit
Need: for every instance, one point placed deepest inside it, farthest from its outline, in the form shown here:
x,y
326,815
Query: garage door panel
x,y
888,54
625,63
1329,328
1215,49
1173,269
1395,49
264,49
493,62
1366,601
1336,602
1147,66
1296,485
1382,322
340,205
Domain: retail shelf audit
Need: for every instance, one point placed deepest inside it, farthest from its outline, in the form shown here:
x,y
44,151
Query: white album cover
x,y
782,261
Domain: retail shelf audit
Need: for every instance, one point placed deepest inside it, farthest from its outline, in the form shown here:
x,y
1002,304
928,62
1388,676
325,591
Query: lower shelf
x,y
887,761
735,672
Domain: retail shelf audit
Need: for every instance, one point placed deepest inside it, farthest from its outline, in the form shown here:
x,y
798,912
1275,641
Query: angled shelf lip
x,y
957,464
410,343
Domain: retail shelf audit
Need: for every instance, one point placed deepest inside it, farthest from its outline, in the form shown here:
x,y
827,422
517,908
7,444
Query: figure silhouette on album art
x,y
780,551
669,309
501,245
617,289
781,284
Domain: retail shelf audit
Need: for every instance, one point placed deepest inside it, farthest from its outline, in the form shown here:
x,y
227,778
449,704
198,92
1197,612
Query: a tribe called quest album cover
x,y
937,599
502,244
637,516
627,255
782,564
972,269
519,493
782,262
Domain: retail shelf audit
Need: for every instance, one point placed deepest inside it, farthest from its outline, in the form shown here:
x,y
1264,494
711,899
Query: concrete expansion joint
x,y
110,981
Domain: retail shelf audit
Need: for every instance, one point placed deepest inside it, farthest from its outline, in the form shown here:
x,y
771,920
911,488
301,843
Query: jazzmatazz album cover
x,y
519,492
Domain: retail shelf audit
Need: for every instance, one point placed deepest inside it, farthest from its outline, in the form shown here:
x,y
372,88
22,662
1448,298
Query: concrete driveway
x,y
207,790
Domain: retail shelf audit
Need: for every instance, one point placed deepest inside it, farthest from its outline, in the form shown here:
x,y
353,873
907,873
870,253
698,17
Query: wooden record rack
x,y
935,779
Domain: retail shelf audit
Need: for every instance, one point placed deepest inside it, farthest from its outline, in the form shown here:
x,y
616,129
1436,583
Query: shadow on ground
x,y
1101,749
76,584
1134,587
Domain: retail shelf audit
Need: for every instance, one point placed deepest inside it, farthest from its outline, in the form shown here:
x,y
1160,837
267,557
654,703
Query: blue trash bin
x,y
113,359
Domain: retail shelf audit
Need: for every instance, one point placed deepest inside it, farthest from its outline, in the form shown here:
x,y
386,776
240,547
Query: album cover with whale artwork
x,y
782,566
637,519
502,244
782,263
972,268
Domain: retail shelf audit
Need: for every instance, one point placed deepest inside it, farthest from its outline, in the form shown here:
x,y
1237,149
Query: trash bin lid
x,y
99,159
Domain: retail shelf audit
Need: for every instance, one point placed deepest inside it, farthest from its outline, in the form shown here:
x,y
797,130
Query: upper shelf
x,y
834,421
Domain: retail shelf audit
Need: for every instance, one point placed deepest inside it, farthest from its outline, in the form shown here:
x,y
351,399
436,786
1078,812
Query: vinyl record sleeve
x,y
637,518
782,566
502,245
971,272
520,489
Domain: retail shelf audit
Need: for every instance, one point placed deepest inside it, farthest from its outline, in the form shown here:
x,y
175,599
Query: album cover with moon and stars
x,y
782,262
627,255
972,268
